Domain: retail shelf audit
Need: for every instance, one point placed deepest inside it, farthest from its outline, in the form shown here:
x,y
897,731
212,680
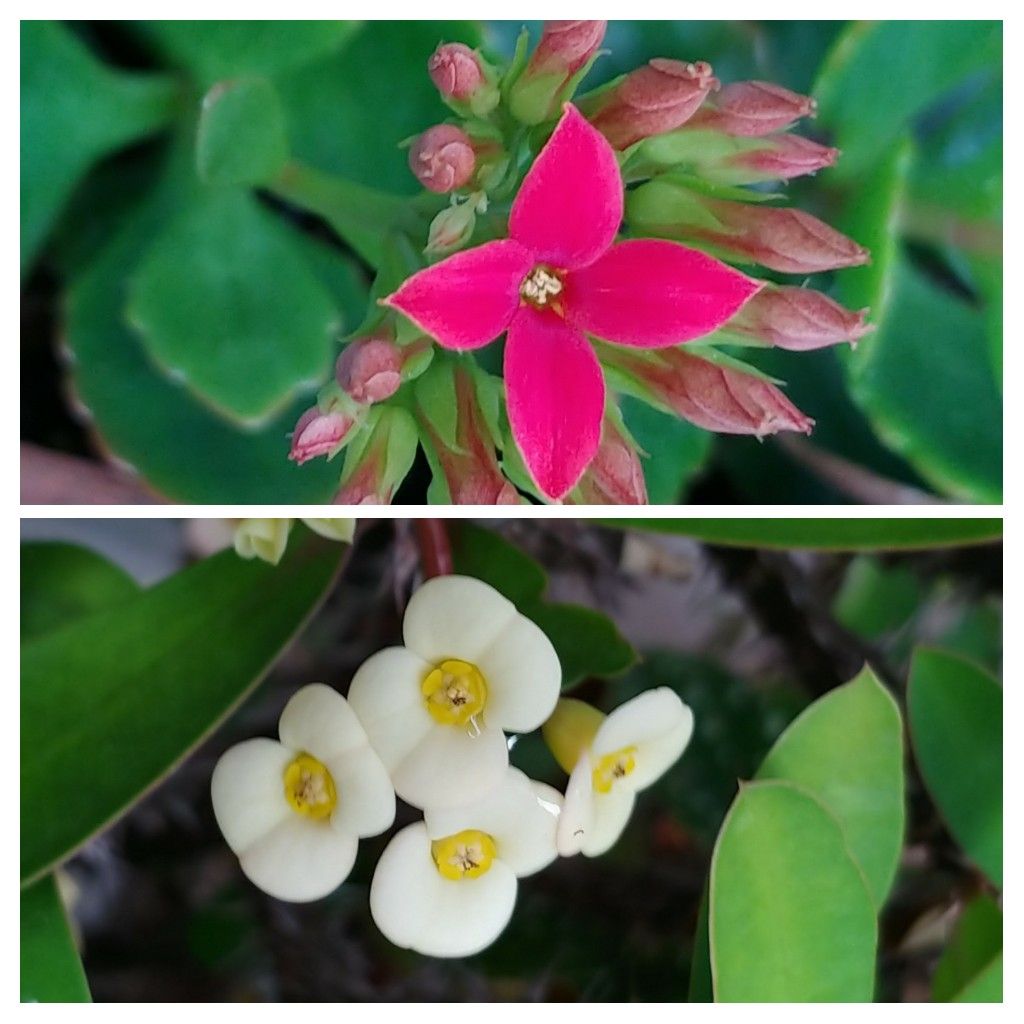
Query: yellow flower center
x,y
613,766
467,854
455,692
309,788
541,287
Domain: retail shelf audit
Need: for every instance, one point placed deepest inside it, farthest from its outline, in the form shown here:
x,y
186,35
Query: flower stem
x,y
435,547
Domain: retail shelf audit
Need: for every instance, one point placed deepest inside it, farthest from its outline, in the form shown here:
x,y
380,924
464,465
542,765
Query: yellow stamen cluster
x,y
455,692
467,854
541,287
309,788
613,766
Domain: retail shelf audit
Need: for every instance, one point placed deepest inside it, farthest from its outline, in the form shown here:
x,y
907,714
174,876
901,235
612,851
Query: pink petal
x,y
652,293
468,299
569,206
555,398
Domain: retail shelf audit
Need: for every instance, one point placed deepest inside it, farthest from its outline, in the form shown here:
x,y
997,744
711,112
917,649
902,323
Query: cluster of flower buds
x,y
267,539
427,722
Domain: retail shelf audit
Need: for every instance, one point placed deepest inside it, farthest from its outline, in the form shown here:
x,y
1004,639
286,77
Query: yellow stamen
x,y
541,287
613,766
467,854
309,788
455,692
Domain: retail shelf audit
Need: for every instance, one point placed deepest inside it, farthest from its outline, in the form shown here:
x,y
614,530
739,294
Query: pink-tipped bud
x,y
615,476
442,158
456,71
657,98
370,369
318,433
564,49
711,396
755,108
798,319
785,157
374,471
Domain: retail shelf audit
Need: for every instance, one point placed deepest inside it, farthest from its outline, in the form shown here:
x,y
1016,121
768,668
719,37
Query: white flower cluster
x,y
428,721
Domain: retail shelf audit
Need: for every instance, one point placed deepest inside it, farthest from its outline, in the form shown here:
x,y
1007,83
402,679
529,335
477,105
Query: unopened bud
x,y
374,470
369,369
265,539
442,158
654,99
565,48
451,229
615,476
711,396
570,730
781,238
318,433
466,83
782,158
798,319
755,108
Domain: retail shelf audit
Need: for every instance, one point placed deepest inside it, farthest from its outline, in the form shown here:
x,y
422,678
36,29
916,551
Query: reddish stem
x,y
435,548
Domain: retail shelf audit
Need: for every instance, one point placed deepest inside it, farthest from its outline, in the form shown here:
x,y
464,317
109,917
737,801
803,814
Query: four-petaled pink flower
x,y
558,278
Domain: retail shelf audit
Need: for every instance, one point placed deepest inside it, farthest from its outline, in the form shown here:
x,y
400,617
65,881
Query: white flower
x,y
268,538
435,709
294,811
446,886
609,760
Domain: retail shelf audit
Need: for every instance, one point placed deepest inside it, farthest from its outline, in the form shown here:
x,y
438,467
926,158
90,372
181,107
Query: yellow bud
x,y
570,731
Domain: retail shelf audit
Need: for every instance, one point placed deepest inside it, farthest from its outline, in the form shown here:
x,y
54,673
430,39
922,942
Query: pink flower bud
x,y
785,157
456,71
374,471
654,99
755,108
318,433
615,477
798,319
370,369
442,158
711,396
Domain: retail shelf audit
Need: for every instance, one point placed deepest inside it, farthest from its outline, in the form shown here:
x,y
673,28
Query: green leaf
x,y
588,643
241,138
348,115
791,918
113,701
827,534
970,969
74,110
226,304
677,451
875,598
924,376
61,582
51,971
956,726
846,750
701,983
220,49
867,108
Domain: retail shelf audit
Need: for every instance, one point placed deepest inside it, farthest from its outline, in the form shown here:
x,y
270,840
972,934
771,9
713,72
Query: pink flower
x,y
318,433
557,278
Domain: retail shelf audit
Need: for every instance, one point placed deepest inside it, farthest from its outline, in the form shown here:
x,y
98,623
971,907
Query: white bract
x,y
446,886
267,538
609,760
294,811
435,709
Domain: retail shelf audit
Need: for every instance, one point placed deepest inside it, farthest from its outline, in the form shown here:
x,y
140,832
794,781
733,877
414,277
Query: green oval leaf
x,y
113,701
51,971
971,966
956,726
847,750
791,918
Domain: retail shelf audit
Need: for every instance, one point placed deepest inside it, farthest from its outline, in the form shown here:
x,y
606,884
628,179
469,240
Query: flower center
x,y
455,692
467,854
309,788
541,287
612,767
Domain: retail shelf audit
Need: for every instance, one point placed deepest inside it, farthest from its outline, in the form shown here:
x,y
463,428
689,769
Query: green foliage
x,y
241,138
50,969
971,968
113,700
827,534
588,642
956,726
875,598
846,750
790,916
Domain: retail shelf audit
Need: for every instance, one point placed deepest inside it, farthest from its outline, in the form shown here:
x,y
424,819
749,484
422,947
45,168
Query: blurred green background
x,y
178,327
